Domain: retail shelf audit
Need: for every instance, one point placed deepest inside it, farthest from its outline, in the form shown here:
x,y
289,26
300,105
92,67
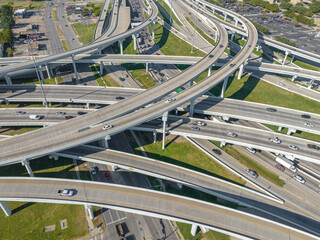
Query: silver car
x,y
293,147
231,134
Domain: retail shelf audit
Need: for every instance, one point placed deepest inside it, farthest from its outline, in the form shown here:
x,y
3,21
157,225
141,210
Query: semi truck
x,y
286,163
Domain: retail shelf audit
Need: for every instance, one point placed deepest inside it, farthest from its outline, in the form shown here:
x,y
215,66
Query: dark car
x,y
232,65
305,116
221,46
313,146
119,98
211,56
217,151
20,113
271,109
82,113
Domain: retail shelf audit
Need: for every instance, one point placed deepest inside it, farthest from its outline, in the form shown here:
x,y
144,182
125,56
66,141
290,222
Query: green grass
x,y
25,105
167,9
239,41
50,81
205,36
138,71
128,47
106,80
249,88
28,219
65,45
185,230
24,4
19,130
172,45
54,15
84,32
95,73
183,153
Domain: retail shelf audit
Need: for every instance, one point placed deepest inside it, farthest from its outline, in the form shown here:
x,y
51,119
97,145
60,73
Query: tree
x,y
289,13
6,10
9,52
92,5
85,9
6,36
6,22
314,8
305,20
286,5
97,12
273,7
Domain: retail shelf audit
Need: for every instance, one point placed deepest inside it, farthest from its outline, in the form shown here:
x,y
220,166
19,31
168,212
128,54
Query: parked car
x,y
299,179
252,173
106,127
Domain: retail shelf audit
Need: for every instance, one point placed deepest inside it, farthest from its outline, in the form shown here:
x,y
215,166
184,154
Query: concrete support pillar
x,y
8,79
209,71
191,108
280,128
154,136
114,167
222,143
147,67
48,71
310,83
104,142
258,47
134,41
293,78
292,59
121,46
164,122
291,131
225,17
101,67
240,71
216,37
225,118
5,208
224,86
54,156
232,36
153,29
191,83
236,22
90,211
194,229
179,185
74,67
41,75
88,105
236,35
204,229
285,58
27,166
213,11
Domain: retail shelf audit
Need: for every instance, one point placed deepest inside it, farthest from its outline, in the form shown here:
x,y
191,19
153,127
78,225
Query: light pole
x,y
194,33
44,96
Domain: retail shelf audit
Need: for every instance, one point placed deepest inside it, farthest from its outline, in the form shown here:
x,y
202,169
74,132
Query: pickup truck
x,y
65,192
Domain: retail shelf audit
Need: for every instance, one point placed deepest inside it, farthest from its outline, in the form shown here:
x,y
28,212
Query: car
x,y
81,113
221,46
106,175
170,100
217,151
271,109
199,123
68,117
10,91
93,171
252,173
293,147
231,134
60,113
280,167
306,116
313,146
299,179
275,140
232,65
35,117
252,150
106,127
66,25
308,124
211,56
119,98
20,113
66,192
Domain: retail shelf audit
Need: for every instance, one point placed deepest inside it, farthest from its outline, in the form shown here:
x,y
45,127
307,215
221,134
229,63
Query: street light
x,y
44,96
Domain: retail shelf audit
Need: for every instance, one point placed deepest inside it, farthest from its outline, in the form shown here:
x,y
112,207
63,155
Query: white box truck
x,y
286,163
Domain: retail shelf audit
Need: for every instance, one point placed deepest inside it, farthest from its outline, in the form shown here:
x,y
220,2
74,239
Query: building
x,y
20,12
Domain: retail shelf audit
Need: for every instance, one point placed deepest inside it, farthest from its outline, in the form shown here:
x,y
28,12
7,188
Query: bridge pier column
x,y
147,67
134,41
90,211
164,122
41,75
101,67
54,156
153,29
291,130
8,79
204,229
74,67
114,167
224,86
216,37
222,143
213,10
154,136
236,22
232,36
179,185
293,78
240,71
280,128
292,59
191,108
48,71
121,46
5,208
225,17
27,165
285,58
194,229
104,142
209,71
88,105
258,47
310,83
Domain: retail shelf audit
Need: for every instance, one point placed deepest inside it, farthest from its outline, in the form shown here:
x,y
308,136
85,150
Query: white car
x,y
299,179
34,117
170,100
308,124
293,147
65,192
106,127
252,150
231,134
275,140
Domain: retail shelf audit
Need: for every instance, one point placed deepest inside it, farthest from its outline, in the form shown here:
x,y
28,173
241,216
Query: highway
x,y
148,202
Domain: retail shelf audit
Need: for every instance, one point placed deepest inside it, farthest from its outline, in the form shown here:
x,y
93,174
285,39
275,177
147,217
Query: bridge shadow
x,y
21,207
245,90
